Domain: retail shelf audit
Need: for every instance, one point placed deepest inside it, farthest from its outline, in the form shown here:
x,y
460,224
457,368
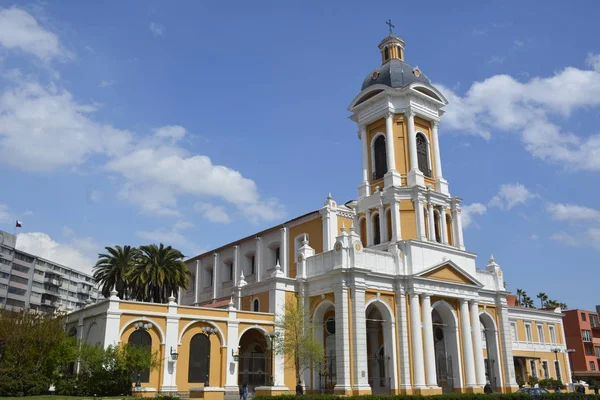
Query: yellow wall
x,y
263,302
408,221
156,374
314,229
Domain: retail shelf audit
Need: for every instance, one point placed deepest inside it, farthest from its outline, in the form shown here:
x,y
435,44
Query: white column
x,y
395,214
420,216
382,224
197,282
428,339
467,343
231,374
417,341
412,140
216,274
436,150
444,228
283,251
361,374
277,306
342,343
389,142
169,381
508,367
458,232
236,265
431,217
477,344
258,259
404,353
370,233
365,153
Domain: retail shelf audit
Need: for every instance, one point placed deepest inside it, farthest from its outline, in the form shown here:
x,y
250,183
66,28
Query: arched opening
x,y
449,230
141,338
199,364
423,154
386,53
446,347
388,223
255,359
426,214
438,226
363,231
489,335
379,157
376,229
256,305
324,329
380,348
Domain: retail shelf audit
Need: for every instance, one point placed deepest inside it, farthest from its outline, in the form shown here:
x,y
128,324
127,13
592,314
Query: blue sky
x,y
134,122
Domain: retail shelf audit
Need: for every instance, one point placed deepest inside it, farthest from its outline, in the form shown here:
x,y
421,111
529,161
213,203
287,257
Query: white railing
x,y
320,264
376,261
537,346
373,260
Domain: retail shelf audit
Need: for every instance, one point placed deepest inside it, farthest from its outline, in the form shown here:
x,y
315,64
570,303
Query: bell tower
x,y
403,194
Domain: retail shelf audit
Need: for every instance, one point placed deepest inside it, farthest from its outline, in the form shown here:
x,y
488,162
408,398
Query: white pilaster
x,y
169,381
216,274
284,251
467,343
477,344
458,230
236,265
361,381
231,374
395,214
113,321
197,282
404,353
370,233
440,183
258,259
431,223
506,337
364,189
391,178
417,341
428,341
415,176
420,216
277,306
330,223
343,340
443,225
382,224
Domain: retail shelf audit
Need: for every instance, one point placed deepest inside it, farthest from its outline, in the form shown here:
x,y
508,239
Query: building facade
x,y
392,293
31,282
582,330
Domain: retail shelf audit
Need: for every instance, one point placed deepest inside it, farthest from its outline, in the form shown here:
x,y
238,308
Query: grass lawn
x,y
52,397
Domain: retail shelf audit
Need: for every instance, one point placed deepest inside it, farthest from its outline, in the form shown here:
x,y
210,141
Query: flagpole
x,y
12,260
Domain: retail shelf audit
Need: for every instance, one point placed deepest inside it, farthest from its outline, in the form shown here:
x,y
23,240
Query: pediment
x,y
449,272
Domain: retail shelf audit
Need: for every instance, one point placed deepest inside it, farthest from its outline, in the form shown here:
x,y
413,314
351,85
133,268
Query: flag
x,y
18,224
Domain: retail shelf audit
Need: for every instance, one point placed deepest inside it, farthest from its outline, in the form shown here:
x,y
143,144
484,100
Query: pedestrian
x,y
299,389
487,389
581,388
244,392
596,389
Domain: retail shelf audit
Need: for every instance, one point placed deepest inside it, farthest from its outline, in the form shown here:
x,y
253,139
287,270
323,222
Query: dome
x,y
396,74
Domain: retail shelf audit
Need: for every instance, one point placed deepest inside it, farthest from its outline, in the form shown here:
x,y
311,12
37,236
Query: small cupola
x,y
391,47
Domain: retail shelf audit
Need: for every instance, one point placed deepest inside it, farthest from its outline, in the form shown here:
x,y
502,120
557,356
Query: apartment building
x,y
582,329
29,281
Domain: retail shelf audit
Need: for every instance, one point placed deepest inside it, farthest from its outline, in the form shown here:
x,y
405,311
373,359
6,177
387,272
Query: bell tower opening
x,y
392,47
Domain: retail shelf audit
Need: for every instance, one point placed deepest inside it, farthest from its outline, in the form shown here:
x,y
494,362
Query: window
x,y
18,279
540,329
528,334
386,54
423,155
380,157
17,291
588,349
209,273
437,226
20,268
592,365
594,321
513,328
3,275
449,230
583,316
255,305
199,363
251,262
15,303
23,257
545,368
376,229
141,338
229,269
587,335
597,351
4,261
533,368
552,334
557,369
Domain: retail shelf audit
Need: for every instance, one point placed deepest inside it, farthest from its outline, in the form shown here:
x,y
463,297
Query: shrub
x,y
453,396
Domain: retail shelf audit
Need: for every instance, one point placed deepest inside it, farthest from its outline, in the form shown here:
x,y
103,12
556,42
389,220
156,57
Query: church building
x,y
392,293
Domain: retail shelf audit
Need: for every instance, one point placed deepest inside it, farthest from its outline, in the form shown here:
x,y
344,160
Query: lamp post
x,y
208,331
272,336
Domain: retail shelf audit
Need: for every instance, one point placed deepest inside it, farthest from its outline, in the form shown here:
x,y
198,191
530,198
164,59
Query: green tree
x,y
298,344
543,298
528,302
520,294
113,269
159,272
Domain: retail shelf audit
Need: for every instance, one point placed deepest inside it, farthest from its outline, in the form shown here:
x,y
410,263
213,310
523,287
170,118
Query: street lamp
x,y
174,355
140,325
208,331
272,336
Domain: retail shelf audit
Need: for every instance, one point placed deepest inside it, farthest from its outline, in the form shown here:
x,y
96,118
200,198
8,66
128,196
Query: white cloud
x,y
511,195
157,29
213,212
68,232
518,43
534,237
470,210
173,132
106,83
505,104
572,212
5,215
78,254
20,30
496,60
170,237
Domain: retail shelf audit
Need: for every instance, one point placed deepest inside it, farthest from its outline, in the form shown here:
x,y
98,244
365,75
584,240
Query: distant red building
x,y
582,331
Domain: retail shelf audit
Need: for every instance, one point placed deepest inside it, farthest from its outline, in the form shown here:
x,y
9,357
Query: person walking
x,y
244,392
299,389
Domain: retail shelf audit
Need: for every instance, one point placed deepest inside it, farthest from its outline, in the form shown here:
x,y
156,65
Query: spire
x,y
391,47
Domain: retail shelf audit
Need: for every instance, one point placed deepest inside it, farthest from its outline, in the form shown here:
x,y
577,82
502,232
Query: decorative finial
x,y
492,259
114,292
305,240
343,227
277,272
390,25
329,196
171,298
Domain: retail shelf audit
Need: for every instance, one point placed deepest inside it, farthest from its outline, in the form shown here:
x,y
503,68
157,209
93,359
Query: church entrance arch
x,y
490,345
324,329
255,359
446,346
380,348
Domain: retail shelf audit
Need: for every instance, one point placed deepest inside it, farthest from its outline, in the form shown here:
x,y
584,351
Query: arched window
x,y
255,305
141,338
376,230
386,53
423,154
438,226
380,157
388,223
449,230
363,231
199,358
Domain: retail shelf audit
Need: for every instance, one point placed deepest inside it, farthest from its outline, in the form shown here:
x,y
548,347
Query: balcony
x,y
52,280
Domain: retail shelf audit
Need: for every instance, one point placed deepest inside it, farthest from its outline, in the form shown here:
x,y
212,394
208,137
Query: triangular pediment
x,y
449,272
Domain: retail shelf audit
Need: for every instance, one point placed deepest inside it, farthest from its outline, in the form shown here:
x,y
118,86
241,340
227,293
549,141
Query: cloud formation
x,y
213,213
469,211
510,195
157,29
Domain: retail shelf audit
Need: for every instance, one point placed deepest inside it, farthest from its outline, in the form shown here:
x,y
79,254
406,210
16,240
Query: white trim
x,y
429,148
144,319
372,150
257,327
185,328
385,305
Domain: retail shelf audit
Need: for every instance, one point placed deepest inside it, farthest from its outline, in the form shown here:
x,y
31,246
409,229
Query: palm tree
x,y
528,302
113,267
520,294
551,303
543,297
160,272
563,306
